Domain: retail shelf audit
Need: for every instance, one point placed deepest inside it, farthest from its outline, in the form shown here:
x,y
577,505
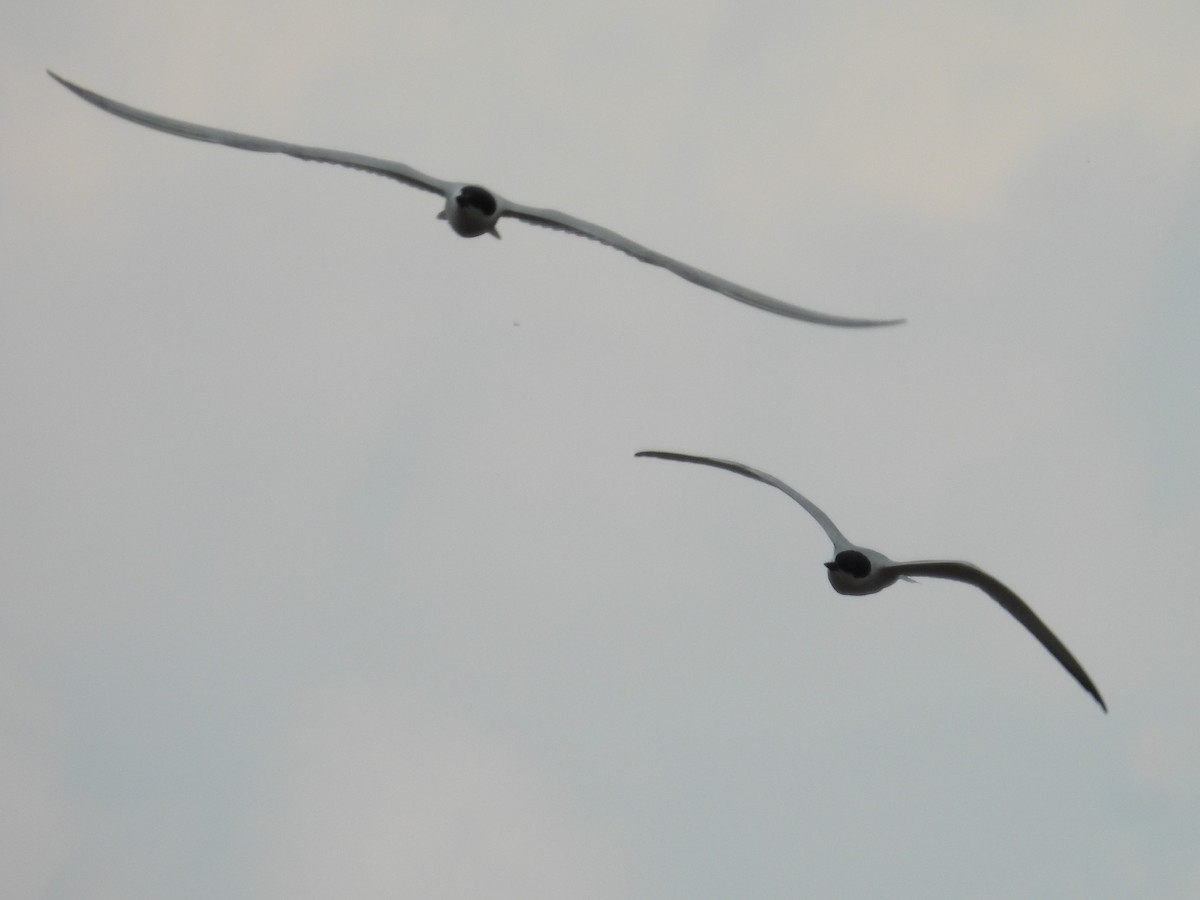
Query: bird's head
x,y
475,197
471,211
853,562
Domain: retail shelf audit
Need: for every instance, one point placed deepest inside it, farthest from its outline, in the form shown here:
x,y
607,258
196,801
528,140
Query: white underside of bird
x,y
469,209
858,570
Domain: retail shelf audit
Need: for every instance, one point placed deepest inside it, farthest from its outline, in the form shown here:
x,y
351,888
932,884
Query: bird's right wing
x,y
1018,608
398,171
550,218
839,540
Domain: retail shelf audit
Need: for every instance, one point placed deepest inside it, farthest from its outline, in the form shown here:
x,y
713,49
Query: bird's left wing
x,y
835,536
553,219
398,171
1018,608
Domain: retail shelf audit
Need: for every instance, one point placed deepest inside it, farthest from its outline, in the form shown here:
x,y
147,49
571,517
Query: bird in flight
x,y
469,209
859,570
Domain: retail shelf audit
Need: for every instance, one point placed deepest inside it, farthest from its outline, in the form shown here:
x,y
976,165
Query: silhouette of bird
x,y
858,570
469,209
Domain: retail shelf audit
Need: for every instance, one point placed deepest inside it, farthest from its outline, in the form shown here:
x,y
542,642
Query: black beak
x,y
831,565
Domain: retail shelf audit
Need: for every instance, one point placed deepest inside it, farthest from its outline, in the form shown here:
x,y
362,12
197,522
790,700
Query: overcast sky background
x,y
328,570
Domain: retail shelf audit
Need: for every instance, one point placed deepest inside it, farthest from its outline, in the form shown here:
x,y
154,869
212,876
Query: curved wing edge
x,y
195,132
1016,607
839,540
550,218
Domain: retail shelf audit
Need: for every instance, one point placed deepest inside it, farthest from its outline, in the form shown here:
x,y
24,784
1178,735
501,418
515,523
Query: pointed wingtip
x,y
70,86
1086,683
856,324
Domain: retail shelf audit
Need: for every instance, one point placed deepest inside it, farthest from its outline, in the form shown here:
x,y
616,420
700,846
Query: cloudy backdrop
x,y
328,571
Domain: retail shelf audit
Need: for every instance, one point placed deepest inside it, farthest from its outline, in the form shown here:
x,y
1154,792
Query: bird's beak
x,y
831,565
442,214
494,233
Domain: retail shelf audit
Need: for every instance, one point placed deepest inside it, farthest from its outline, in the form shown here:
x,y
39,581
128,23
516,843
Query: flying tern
x,y
860,570
469,209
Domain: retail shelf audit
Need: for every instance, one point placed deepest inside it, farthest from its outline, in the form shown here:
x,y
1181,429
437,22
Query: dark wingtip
x,y
1086,683
859,323
73,88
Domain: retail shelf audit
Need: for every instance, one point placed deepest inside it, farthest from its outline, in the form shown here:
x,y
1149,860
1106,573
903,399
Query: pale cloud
x,y
1163,763
381,791
938,107
39,829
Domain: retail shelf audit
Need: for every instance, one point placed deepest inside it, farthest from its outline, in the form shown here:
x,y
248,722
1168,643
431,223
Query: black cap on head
x,y
479,198
852,562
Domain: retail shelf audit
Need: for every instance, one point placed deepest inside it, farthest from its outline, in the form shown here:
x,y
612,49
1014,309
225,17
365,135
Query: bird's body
x,y
859,571
469,209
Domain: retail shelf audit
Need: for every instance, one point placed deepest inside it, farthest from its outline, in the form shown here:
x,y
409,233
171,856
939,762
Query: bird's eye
x,y
853,563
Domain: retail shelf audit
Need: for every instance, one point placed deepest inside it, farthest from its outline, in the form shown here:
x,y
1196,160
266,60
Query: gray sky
x,y
328,569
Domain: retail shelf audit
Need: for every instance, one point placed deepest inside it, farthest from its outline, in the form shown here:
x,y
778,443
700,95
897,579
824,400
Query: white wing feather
x,y
839,540
398,171
550,218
